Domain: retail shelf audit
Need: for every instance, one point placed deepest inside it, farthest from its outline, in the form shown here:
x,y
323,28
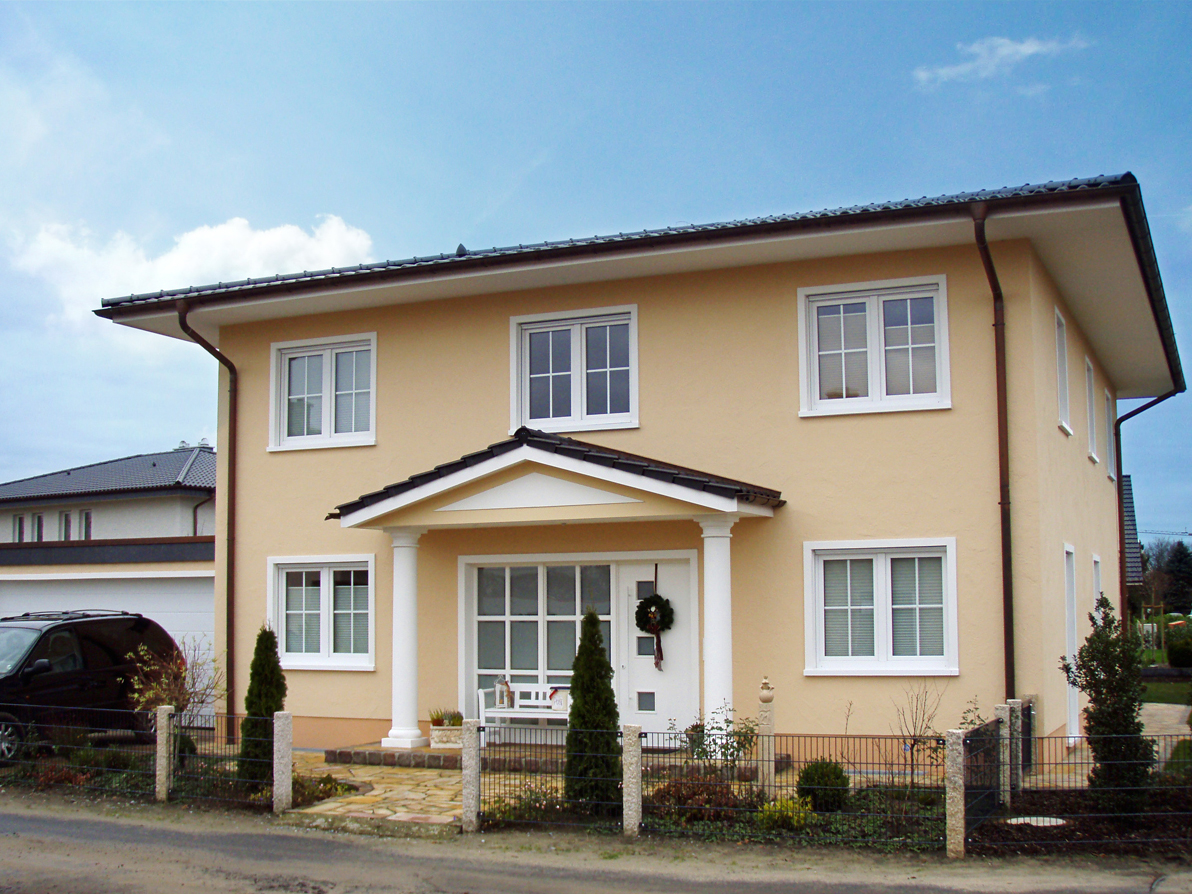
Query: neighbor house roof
x,y
1130,530
187,468
588,453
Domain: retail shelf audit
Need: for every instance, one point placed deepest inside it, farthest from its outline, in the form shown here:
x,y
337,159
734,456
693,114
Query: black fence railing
x,y
223,757
854,790
85,748
1028,735
982,773
1121,794
533,775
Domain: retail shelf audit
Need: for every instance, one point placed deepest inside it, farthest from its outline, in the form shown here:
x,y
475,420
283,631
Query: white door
x,y
647,695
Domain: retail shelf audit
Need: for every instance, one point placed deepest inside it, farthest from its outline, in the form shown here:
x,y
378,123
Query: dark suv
x,y
69,664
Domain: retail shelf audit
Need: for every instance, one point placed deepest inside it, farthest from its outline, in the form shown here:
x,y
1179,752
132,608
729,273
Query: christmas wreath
x,y
655,616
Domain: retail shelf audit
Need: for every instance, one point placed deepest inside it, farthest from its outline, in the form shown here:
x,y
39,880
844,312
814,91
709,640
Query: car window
x,y
151,634
100,645
61,648
14,643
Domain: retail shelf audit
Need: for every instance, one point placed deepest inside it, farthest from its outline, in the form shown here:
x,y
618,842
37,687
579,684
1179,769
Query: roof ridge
x,y
186,467
102,462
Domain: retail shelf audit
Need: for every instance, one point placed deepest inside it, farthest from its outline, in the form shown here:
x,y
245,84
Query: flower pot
x,y
446,736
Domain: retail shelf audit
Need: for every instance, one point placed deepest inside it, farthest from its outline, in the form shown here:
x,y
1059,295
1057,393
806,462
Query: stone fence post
x,y
954,791
283,761
1004,747
164,757
1015,705
631,779
470,766
765,734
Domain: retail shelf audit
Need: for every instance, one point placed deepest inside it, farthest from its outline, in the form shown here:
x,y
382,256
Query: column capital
x,y
405,536
718,525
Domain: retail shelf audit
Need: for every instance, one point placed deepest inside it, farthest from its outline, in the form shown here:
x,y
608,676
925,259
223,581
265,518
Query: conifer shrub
x,y
266,695
1179,646
826,785
1108,669
593,764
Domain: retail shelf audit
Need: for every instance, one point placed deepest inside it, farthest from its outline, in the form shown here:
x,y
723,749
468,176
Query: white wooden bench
x,y
529,702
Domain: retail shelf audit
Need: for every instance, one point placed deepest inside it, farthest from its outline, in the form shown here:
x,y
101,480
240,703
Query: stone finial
x,y
765,692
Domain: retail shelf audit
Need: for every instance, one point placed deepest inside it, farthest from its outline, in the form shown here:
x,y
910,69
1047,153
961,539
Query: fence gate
x,y
982,773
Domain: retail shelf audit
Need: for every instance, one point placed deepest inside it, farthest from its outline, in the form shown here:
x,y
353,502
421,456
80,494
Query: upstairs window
x,y
1110,441
323,393
874,347
37,527
64,526
18,529
1061,372
1091,394
85,524
575,371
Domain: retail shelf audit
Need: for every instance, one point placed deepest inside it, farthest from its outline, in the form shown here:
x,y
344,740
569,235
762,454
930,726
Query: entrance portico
x,y
544,480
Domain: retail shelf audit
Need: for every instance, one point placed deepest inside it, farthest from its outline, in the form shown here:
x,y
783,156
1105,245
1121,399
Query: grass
x,y
1165,692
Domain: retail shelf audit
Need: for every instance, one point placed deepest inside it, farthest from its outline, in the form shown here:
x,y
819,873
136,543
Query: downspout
x,y
194,515
1121,503
230,501
1003,444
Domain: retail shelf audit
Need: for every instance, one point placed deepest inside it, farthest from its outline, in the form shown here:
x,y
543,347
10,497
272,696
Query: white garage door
x,y
184,606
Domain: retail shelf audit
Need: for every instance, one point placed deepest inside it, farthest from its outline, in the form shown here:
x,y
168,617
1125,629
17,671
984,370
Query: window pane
x,y
560,350
363,369
904,627
645,701
343,413
831,376
618,345
360,634
595,588
645,646
523,645
293,633
314,415
861,581
312,633
295,417
560,590
363,411
523,591
341,633
923,369
490,645
902,581
894,313
931,581
314,374
345,371
931,631
597,344
560,396
854,326
856,374
618,391
540,397
297,376
836,633
597,393
828,327
539,353
898,371
490,591
862,632
560,645
835,582
606,633
923,313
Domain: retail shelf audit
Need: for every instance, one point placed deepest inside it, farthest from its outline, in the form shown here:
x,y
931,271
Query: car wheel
x,y
12,739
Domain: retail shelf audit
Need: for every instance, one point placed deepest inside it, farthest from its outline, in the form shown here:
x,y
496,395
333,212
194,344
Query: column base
x,y
405,738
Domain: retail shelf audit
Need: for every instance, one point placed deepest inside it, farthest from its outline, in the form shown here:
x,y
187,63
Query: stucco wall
x,y
719,391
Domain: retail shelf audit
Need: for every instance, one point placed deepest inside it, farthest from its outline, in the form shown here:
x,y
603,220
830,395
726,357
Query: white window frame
x,y
37,528
18,529
65,526
1096,578
817,664
872,293
1061,373
85,524
275,611
279,354
519,379
1110,441
1090,388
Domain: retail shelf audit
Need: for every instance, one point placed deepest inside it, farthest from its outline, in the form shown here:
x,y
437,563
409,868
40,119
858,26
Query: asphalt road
x,y
52,844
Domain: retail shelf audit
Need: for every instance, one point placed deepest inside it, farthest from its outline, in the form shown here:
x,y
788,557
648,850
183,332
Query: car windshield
x,y
14,643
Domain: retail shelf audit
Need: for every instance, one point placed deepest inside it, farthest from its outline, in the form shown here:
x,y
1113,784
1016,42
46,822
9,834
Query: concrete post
x,y
164,758
1002,713
283,761
470,764
954,792
765,737
718,612
1015,705
631,779
405,732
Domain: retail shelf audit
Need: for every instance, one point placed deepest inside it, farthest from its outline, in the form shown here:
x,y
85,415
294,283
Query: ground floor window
x,y
323,611
528,618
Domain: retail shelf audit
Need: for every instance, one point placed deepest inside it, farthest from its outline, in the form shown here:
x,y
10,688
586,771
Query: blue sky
x,y
155,146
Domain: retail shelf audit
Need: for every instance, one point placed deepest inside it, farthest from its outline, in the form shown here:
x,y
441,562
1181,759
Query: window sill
x,y
289,665
323,444
877,407
1064,428
882,671
1093,459
579,426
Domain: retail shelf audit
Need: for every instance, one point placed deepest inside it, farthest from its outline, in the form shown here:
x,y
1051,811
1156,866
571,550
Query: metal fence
x,y
1028,734
222,757
1117,794
982,773
86,748
550,775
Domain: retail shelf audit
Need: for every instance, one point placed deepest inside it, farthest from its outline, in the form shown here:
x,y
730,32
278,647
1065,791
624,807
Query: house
x,y
132,534
858,450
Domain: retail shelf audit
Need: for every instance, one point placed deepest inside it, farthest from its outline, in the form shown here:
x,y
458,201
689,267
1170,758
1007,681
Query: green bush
x,y
1107,669
785,814
825,783
593,764
266,695
704,798
1179,646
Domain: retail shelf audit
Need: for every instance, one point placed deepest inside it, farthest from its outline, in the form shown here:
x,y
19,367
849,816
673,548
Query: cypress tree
x,y
1178,567
266,694
593,769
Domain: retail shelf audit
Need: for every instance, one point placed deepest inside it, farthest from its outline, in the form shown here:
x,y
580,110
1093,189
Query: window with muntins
x,y
324,612
874,347
882,608
1091,402
1110,441
574,372
324,394
1061,371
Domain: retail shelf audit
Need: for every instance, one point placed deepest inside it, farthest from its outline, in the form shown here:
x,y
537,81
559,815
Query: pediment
x,y
537,491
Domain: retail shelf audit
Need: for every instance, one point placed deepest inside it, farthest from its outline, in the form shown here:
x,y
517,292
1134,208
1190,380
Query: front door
x,y
648,695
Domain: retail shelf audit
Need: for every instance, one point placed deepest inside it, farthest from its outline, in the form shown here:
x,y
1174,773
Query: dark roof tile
x,y
192,467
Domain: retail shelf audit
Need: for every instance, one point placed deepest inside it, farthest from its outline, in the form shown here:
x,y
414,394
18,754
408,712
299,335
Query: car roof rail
x,y
71,615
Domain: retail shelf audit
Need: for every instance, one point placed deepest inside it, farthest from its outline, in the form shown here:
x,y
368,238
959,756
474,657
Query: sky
x,y
154,146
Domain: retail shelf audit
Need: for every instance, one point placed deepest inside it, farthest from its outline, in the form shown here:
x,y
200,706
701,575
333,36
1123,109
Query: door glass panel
x,y
560,645
523,645
596,588
490,644
523,591
560,590
490,591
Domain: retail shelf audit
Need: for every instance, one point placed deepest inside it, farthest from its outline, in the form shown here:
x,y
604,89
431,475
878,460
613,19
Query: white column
x,y
718,612
405,732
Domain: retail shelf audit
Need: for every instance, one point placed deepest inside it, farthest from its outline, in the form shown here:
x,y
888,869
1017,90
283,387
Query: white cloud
x,y
82,272
992,56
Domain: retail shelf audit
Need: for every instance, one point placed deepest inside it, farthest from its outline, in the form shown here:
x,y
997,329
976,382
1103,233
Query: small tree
x,y
266,694
593,769
1108,669
1178,597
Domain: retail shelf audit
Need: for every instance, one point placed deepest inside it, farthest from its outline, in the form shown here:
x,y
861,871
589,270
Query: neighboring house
x,y
790,427
133,534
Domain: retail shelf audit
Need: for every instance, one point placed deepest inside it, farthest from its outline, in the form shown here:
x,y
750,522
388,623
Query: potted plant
x,y
446,728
